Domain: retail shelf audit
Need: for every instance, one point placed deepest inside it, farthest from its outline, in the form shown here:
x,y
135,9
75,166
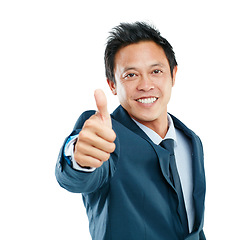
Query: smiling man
x,y
143,83
140,170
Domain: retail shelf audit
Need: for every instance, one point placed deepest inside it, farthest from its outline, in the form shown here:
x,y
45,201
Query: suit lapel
x,y
198,172
121,115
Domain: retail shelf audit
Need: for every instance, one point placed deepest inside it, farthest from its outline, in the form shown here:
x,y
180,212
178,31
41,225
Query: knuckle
x,y
84,136
78,147
81,135
82,161
113,136
78,159
87,123
113,147
97,164
91,122
105,157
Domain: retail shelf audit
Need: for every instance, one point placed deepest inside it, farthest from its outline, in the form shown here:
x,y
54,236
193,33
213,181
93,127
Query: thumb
x,y
101,102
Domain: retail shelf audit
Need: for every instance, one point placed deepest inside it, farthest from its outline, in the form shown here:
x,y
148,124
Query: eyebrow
x,y
129,68
159,64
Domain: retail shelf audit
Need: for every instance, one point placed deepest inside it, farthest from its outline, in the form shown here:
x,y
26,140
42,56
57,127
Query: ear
x,y
112,86
174,75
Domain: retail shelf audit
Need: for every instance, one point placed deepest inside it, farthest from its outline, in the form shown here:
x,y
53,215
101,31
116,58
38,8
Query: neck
x,y
160,125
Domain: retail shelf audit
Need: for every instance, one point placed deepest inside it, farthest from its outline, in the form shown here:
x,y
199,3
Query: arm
x,y
94,148
85,182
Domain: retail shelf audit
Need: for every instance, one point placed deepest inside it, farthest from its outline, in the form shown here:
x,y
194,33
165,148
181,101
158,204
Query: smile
x,y
147,100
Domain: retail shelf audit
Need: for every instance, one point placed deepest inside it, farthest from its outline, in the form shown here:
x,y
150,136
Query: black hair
x,y
129,33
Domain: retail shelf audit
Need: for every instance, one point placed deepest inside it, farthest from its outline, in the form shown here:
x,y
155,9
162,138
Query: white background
x,y
51,61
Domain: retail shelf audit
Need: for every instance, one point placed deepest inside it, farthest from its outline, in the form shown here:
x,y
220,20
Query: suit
x,y
130,197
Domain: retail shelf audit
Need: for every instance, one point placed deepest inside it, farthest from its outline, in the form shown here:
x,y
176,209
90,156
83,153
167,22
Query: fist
x,y
95,141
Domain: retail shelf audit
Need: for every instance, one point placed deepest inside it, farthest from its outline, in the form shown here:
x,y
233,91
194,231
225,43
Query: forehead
x,y
143,53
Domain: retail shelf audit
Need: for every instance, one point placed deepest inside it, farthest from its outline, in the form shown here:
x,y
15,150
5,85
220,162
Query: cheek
x,y
166,88
167,93
122,93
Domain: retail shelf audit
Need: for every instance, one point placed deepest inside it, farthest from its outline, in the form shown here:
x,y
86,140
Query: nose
x,y
145,84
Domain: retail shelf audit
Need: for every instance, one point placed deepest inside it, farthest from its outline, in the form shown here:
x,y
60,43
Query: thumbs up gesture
x,y
101,102
96,139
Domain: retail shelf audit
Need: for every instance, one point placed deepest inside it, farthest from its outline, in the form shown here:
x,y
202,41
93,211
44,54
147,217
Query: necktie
x,y
168,144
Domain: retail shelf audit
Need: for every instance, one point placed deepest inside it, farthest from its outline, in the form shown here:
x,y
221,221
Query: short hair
x,y
128,33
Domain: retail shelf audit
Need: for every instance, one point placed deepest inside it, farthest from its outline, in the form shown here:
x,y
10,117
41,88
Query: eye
x,y
130,75
157,71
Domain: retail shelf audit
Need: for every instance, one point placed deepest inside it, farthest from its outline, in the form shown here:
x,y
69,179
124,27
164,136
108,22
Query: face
x,y
143,82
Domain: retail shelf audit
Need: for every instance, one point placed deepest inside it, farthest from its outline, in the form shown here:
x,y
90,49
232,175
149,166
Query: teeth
x,y
147,100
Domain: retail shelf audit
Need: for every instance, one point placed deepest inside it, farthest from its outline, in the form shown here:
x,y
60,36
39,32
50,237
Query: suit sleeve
x,y
79,181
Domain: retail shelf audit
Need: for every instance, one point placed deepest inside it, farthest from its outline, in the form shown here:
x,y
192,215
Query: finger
x,y
99,142
87,161
87,150
108,147
101,102
94,128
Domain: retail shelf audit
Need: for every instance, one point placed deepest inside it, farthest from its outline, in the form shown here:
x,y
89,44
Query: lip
x,y
144,97
147,100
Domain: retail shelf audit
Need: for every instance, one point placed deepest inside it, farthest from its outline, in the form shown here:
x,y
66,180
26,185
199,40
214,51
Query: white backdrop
x,y
51,61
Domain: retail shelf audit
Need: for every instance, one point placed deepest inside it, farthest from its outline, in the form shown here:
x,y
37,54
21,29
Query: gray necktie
x,y
168,144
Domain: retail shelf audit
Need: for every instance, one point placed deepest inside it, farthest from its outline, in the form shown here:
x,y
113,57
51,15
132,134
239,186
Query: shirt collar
x,y
171,133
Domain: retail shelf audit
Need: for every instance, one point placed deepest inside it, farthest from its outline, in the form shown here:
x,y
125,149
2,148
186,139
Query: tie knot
x,y
168,144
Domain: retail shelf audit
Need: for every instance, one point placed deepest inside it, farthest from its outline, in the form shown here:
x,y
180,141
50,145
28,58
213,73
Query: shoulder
x,y
82,118
195,139
187,131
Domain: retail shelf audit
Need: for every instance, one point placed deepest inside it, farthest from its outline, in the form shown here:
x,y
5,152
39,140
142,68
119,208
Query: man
x,y
140,170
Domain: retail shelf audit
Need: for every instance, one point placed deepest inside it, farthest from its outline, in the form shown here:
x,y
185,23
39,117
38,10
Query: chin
x,y
143,119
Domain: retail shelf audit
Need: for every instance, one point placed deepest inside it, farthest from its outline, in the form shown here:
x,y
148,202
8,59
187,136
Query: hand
x,y
96,139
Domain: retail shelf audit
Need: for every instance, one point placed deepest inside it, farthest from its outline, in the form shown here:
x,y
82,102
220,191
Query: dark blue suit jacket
x,y
130,197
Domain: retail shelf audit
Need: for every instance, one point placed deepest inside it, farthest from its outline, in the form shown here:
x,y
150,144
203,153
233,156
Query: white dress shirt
x,y
183,156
